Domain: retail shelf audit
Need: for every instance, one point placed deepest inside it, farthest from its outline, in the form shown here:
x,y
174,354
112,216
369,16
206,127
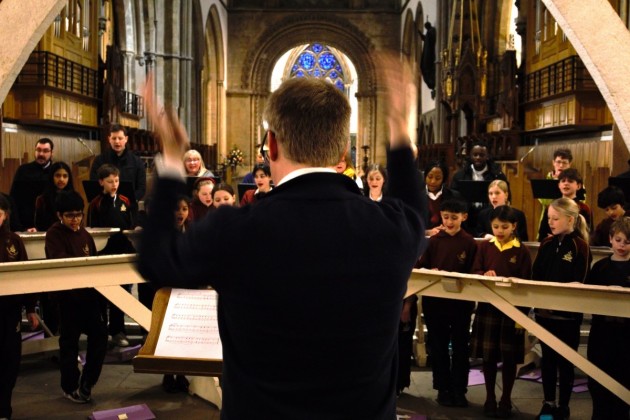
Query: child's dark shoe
x,y
504,410
490,409
445,398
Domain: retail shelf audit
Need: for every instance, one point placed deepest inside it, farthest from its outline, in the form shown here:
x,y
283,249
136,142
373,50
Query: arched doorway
x,y
294,31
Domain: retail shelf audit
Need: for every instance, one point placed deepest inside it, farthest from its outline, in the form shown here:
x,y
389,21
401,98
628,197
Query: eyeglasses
x,y
191,160
73,216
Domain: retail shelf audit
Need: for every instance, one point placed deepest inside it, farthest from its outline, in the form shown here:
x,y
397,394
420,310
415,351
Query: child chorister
x,y
495,336
113,210
80,310
609,338
448,320
564,257
11,250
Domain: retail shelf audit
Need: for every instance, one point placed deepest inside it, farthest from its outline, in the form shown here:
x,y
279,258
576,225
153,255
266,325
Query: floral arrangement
x,y
234,157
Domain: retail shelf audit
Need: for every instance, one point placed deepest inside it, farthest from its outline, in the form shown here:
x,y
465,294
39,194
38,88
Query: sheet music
x,y
190,327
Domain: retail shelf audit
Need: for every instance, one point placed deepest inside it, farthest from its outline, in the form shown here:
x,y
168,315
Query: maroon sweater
x,y
62,242
513,262
12,250
450,253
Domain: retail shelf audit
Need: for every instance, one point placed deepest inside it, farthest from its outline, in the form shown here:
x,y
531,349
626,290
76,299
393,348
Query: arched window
x,y
317,60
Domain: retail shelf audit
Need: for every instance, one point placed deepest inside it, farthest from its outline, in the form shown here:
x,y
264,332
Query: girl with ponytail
x,y
564,257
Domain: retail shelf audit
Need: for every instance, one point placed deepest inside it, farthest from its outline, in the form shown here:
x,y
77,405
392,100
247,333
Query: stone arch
x,y
334,31
300,29
408,35
419,30
409,42
214,81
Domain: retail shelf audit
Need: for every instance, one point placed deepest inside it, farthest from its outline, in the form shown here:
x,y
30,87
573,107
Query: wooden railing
x,y
44,68
508,293
565,76
107,273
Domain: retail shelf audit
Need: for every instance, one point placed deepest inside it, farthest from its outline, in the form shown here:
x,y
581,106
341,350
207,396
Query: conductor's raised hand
x,y
400,96
167,128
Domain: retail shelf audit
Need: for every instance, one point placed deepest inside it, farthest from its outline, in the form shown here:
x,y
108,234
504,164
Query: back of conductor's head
x,y
310,119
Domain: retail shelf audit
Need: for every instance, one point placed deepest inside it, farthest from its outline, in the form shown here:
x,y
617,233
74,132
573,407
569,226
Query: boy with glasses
x,y
80,310
562,159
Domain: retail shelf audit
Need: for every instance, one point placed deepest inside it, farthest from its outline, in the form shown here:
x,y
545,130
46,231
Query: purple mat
x,y
117,354
134,412
36,335
475,377
411,417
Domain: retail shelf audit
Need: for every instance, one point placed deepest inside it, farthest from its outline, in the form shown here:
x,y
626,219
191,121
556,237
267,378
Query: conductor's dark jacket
x,y
308,319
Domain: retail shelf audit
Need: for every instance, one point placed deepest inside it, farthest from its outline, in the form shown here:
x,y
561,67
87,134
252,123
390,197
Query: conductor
x,y
309,331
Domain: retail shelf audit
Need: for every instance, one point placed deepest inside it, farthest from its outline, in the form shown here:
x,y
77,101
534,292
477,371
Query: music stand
x,y
547,189
244,187
474,191
93,189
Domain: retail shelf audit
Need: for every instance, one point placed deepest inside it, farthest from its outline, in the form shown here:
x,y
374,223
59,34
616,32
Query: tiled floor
x,y
38,396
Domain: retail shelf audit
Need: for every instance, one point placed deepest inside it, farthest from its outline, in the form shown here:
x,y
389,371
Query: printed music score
x,y
190,327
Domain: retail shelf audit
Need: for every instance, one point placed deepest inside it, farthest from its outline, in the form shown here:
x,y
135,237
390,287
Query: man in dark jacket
x,y
328,302
131,166
29,181
478,167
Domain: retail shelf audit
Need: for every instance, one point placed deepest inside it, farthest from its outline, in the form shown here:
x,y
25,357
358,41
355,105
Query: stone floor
x,y
38,396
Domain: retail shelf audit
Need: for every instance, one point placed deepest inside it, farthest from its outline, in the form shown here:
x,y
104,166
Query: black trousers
x,y
116,316
76,316
553,365
10,355
608,344
448,322
405,349
49,311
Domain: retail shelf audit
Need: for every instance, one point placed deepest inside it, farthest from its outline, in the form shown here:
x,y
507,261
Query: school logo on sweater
x,y
86,249
11,251
513,259
462,257
122,207
568,256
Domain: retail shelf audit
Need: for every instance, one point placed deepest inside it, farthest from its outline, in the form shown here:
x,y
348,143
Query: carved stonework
x,y
304,28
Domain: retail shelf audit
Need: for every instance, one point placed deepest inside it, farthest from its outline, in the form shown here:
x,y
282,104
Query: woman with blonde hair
x,y
193,163
499,195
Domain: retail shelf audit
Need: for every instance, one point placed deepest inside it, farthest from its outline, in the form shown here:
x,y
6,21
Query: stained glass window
x,y
319,61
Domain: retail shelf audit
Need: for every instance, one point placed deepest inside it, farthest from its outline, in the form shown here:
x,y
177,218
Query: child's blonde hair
x,y
503,186
570,208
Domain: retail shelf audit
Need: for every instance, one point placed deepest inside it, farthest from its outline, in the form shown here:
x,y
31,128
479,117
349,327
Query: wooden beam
x,y
23,25
507,293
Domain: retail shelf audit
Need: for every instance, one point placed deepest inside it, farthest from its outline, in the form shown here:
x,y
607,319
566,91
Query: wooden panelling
x,y
583,110
51,105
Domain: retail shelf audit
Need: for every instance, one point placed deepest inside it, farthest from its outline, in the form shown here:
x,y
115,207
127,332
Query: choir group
x,y
466,237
